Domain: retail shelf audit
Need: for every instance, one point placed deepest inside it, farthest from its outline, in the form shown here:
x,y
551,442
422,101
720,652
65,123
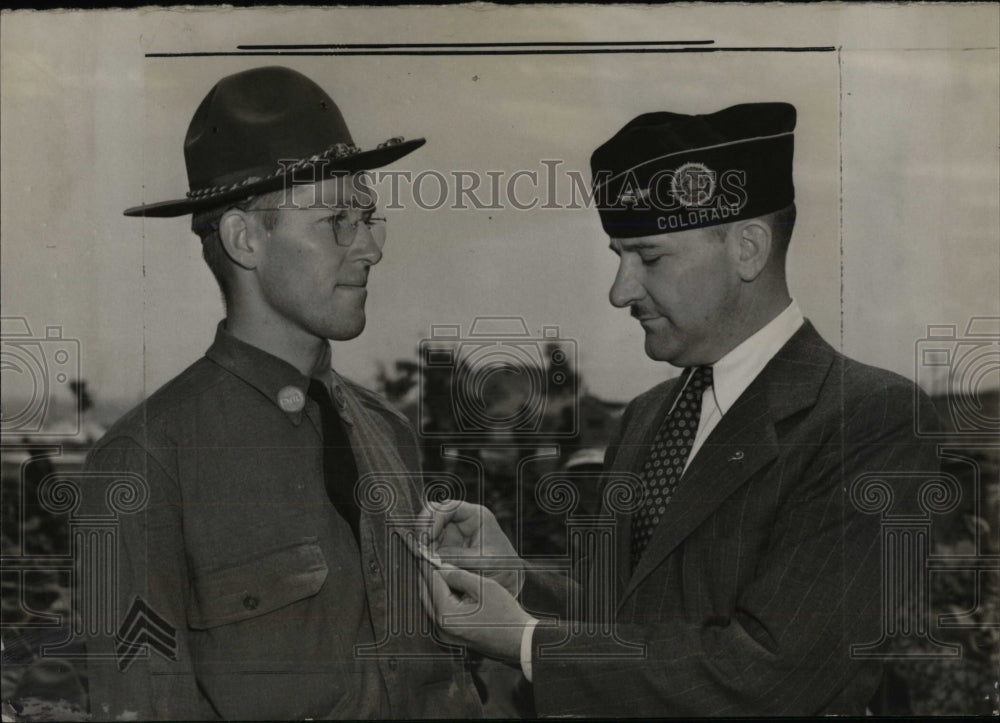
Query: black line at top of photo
x,y
533,51
400,46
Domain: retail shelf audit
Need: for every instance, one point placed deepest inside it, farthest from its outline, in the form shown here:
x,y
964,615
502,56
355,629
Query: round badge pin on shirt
x,y
291,399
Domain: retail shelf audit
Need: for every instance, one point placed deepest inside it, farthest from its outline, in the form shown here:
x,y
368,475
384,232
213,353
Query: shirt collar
x,y
734,372
275,378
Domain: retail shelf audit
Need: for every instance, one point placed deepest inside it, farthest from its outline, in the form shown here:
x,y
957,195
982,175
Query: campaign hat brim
x,y
362,161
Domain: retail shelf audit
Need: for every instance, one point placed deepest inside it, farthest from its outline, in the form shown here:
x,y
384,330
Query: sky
x,y
896,171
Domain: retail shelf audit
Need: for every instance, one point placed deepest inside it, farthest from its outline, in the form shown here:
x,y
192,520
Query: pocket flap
x,y
269,582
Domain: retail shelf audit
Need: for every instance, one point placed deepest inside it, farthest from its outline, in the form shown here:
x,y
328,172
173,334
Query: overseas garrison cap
x,y
667,172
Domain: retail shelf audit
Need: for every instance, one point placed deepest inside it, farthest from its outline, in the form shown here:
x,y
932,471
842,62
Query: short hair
x,y
205,224
720,231
781,223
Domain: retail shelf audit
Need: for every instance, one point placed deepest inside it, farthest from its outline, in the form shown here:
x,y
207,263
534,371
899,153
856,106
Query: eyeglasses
x,y
345,229
345,223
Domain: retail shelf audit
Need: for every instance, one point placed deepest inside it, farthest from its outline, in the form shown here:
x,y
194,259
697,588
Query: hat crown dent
x,y
255,130
250,122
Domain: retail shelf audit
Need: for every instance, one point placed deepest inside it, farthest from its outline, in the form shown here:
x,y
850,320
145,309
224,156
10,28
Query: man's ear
x,y
755,243
238,238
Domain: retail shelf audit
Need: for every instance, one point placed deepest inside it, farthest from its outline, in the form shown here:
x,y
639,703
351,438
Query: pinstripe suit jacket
x,y
762,573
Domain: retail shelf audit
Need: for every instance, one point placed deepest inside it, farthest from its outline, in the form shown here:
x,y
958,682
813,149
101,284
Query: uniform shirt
x,y
241,551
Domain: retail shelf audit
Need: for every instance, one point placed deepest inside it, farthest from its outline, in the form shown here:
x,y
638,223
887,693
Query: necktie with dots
x,y
668,454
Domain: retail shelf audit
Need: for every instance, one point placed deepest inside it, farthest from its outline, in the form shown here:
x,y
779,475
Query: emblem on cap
x,y
630,198
693,184
291,399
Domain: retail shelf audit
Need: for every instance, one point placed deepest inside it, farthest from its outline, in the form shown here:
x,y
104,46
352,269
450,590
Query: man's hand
x,y
476,611
468,536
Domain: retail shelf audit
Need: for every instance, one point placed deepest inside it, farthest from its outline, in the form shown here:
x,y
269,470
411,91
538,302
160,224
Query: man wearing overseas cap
x,y
269,580
744,568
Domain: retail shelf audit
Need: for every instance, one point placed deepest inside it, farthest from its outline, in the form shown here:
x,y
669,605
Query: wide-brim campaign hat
x,y
261,129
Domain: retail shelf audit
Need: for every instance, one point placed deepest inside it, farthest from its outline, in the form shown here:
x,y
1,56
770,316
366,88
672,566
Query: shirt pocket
x,y
270,581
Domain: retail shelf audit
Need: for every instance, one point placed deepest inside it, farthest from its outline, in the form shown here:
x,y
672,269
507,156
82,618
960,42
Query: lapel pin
x,y
736,456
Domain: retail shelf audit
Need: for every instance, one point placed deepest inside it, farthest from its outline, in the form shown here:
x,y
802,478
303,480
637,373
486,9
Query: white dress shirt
x,y
734,372
731,376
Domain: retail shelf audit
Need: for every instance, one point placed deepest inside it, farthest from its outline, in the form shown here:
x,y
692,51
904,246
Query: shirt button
x,y
250,602
291,399
373,566
338,396
393,664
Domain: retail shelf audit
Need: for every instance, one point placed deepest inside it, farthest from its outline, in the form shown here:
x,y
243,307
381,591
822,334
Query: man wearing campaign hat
x,y
258,580
746,566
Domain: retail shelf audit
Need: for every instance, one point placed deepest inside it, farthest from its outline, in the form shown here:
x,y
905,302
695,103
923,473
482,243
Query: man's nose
x,y
369,241
626,289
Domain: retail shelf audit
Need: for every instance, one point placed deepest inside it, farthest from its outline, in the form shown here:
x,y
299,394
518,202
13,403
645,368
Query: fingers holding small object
x,y
441,512
450,587
458,580
442,636
420,549
465,517
438,599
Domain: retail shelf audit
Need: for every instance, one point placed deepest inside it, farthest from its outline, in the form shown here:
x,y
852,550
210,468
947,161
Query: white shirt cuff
x,y
521,575
526,637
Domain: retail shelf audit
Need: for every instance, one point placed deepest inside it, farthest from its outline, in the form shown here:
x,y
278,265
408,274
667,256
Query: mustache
x,y
638,312
359,281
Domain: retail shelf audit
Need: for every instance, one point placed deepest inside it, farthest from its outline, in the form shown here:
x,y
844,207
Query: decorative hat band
x,y
335,152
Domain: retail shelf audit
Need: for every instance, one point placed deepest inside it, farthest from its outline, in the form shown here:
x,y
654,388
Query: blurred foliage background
x,y
513,423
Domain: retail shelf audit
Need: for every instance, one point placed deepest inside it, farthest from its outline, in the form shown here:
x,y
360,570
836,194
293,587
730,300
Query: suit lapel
x,y
742,443
630,457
